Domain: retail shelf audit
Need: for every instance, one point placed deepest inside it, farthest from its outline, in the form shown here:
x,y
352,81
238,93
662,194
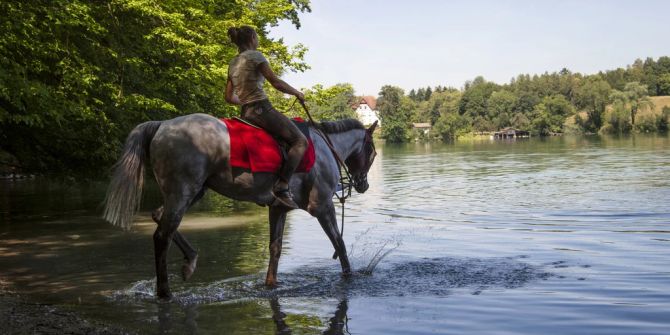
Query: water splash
x,y
141,290
423,277
370,250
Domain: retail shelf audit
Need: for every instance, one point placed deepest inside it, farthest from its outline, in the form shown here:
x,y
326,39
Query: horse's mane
x,y
340,125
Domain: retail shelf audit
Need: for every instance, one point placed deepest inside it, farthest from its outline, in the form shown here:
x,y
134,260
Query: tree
x,y
663,120
501,108
331,103
439,102
664,84
449,124
617,119
550,115
634,96
78,75
412,94
593,95
393,114
473,103
427,94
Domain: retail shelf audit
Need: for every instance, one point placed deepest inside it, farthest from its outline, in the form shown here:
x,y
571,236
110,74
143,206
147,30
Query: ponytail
x,y
241,36
232,33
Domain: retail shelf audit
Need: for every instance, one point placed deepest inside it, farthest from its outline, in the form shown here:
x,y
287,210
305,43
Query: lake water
x,y
541,236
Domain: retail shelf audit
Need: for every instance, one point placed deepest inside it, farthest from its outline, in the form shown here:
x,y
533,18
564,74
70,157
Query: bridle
x,y
347,182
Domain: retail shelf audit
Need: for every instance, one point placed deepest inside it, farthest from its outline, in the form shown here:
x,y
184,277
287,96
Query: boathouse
x,y
506,133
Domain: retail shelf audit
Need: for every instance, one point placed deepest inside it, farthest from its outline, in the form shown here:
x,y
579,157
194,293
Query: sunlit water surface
x,y
557,236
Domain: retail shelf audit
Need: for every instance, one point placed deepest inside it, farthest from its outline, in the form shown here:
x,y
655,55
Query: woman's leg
x,y
265,116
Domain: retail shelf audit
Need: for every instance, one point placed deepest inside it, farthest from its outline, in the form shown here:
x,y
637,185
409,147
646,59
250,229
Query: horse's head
x,y
361,160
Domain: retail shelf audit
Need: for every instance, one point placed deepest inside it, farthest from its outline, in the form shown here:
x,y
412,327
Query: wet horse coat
x,y
191,154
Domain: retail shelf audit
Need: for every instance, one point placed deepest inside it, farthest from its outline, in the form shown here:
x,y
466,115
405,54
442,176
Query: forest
x,y
77,76
614,101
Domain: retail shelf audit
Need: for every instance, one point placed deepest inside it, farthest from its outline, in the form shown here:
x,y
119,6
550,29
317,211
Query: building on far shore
x,y
510,133
423,127
366,110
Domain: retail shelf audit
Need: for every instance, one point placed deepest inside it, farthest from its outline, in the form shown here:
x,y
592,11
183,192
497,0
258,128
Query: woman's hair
x,y
241,36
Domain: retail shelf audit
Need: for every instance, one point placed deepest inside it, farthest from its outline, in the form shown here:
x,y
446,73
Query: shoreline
x,y
19,315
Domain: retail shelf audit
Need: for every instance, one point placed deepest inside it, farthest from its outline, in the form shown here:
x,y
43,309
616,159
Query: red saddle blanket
x,y
254,149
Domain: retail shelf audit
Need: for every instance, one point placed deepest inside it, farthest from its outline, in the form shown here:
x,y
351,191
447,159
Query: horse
x,y
191,154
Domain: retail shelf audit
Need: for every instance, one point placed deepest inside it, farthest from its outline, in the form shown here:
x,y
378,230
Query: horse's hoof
x,y
188,268
164,296
270,283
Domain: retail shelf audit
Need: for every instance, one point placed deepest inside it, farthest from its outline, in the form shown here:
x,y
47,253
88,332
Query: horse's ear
x,y
372,128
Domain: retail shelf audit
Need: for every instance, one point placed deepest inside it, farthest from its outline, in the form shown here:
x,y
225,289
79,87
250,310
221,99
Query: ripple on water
x,y
424,277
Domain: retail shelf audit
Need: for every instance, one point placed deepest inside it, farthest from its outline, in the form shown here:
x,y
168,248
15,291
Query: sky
x,y
419,43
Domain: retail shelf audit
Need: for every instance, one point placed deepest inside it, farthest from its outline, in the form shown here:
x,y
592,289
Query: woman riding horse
x,y
190,154
246,74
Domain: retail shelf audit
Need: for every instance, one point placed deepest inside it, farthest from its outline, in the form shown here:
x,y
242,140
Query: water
x,y
557,236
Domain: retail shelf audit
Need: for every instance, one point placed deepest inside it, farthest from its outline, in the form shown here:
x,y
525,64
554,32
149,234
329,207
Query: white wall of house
x,y
366,114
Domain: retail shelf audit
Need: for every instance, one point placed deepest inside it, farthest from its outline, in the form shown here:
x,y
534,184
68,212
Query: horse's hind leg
x,y
174,209
277,220
190,254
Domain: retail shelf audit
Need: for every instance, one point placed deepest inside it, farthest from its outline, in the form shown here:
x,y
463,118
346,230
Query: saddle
x,y
252,148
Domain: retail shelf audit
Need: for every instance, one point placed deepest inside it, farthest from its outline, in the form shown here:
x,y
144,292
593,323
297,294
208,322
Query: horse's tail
x,y
125,189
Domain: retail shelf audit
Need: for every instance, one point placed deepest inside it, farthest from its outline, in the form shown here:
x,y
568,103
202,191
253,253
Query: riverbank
x,y
21,316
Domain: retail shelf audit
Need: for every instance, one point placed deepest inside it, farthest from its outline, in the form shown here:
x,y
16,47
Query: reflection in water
x,y
185,318
337,324
588,215
318,286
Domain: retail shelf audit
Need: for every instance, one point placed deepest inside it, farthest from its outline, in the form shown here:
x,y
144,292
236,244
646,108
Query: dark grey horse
x,y
191,154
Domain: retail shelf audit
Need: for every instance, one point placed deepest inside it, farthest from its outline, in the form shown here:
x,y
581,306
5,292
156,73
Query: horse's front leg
x,y
277,220
328,221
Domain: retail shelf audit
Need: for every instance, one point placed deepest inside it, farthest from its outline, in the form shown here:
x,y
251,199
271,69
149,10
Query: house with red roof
x,y
366,110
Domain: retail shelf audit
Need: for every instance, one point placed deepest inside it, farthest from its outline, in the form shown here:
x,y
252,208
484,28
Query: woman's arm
x,y
279,84
231,98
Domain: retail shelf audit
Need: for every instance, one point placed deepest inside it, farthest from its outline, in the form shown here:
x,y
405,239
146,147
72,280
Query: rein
x,y
346,182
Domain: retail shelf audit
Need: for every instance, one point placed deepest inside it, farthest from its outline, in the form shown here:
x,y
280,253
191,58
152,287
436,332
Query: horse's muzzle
x,y
361,185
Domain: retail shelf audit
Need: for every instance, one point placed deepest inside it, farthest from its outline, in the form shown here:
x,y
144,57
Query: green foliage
x,y
647,124
331,103
633,97
663,120
501,107
617,120
474,103
550,115
541,104
78,75
430,110
394,114
544,103
651,73
449,124
664,84
593,95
